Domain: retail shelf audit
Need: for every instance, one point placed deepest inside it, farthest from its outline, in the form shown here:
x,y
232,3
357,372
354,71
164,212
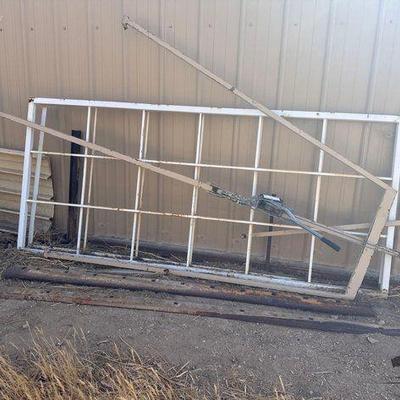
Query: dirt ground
x,y
313,364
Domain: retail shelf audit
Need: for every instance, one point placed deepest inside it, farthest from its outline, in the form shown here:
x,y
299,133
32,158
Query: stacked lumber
x,y
11,166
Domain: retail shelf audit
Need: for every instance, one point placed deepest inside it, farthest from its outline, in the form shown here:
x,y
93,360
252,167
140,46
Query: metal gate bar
x,y
83,188
195,193
36,178
139,185
316,197
254,191
91,168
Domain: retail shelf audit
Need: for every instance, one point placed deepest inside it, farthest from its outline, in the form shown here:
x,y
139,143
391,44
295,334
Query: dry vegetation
x,y
69,371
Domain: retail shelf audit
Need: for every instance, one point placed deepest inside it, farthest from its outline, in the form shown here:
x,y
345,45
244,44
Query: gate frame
x,y
254,280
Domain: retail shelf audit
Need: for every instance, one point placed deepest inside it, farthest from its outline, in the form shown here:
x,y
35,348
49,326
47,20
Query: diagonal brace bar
x,y
127,23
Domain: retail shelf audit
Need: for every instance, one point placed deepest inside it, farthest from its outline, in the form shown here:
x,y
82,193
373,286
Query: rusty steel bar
x,y
186,288
91,297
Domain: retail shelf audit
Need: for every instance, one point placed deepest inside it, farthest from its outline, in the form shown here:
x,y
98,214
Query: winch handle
x,y
331,244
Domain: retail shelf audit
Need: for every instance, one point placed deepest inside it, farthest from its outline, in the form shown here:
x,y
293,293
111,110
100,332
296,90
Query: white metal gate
x,y
26,231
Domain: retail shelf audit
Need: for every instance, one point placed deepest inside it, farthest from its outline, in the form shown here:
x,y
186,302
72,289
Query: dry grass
x,y
69,371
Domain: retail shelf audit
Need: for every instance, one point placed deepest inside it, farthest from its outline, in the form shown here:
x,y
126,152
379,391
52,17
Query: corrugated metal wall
x,y
329,55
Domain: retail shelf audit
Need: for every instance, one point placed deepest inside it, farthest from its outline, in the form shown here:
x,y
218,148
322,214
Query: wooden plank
x,y
11,162
11,168
128,23
373,238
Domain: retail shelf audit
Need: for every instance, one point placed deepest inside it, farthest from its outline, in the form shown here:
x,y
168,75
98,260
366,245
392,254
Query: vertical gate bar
x,y
254,191
91,167
138,185
387,264
142,186
195,193
26,178
87,137
317,197
36,181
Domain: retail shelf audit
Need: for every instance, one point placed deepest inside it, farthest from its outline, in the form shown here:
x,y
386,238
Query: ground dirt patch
x,y
61,370
240,359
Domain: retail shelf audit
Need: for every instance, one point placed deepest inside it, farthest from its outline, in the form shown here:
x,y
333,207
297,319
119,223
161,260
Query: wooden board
x,y
11,165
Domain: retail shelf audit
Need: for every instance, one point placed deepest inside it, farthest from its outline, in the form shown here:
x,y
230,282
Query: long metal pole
x,y
254,192
244,112
36,181
138,185
195,193
146,134
221,166
127,23
355,240
83,188
387,262
85,235
112,153
317,197
26,178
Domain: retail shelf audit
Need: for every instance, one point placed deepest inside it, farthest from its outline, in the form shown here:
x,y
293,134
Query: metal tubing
x,y
91,167
280,171
295,230
166,214
88,297
221,166
138,185
319,227
139,219
26,178
83,188
317,197
249,112
254,192
195,193
219,275
36,181
387,263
